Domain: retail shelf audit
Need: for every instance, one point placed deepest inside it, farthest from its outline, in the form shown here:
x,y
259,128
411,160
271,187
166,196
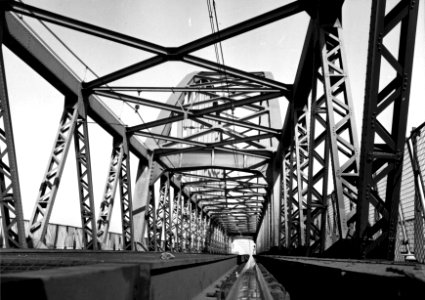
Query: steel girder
x,y
85,183
284,236
325,140
298,178
382,146
165,193
127,221
333,139
119,173
10,193
51,179
112,180
151,221
176,220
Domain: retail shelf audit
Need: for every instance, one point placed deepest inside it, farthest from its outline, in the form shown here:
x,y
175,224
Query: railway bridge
x,y
233,155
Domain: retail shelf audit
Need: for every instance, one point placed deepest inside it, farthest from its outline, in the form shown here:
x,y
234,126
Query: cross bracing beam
x,y
164,53
192,114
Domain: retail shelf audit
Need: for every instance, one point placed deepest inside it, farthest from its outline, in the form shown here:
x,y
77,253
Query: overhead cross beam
x,y
163,53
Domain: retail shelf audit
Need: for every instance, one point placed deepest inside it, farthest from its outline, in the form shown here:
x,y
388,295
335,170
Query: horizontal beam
x,y
200,62
138,100
186,89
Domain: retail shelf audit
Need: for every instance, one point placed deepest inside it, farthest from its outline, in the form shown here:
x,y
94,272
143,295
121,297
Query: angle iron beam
x,y
381,25
49,186
139,100
124,72
151,220
10,193
126,201
112,179
85,182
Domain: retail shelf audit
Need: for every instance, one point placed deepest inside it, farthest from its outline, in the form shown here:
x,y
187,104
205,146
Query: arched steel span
x,y
319,185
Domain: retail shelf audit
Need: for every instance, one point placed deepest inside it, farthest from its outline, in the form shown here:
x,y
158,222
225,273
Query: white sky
x,y
36,106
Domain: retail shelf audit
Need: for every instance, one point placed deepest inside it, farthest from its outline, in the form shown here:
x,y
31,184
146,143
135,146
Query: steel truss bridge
x,y
217,163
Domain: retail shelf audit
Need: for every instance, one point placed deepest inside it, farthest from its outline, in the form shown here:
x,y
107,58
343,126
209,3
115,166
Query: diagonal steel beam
x,y
121,73
189,113
248,25
40,14
200,62
139,100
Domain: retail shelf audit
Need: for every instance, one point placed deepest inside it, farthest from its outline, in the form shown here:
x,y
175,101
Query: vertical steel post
x,y
284,198
301,163
341,124
276,208
167,222
10,193
126,201
332,133
292,204
180,227
151,220
161,215
140,204
84,173
175,222
112,179
186,225
382,144
190,238
51,179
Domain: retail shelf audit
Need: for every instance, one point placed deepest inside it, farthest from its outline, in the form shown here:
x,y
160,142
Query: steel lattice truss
x,y
218,161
